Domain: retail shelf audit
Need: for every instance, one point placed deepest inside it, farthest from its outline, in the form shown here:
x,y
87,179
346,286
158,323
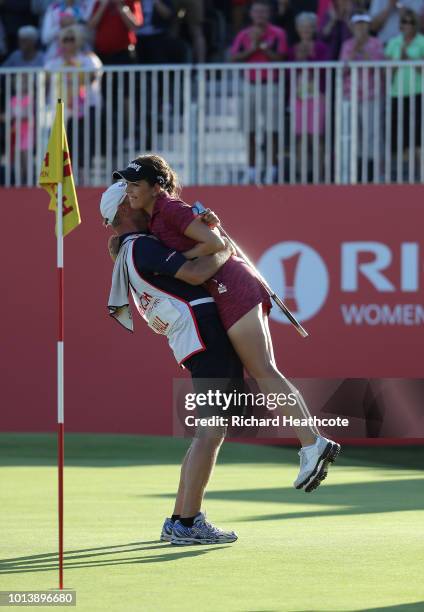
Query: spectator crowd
x,y
91,33
176,31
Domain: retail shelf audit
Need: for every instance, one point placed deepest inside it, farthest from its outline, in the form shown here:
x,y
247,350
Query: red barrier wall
x,y
305,238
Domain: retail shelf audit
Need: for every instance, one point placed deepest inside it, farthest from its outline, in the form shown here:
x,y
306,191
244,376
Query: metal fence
x,y
223,124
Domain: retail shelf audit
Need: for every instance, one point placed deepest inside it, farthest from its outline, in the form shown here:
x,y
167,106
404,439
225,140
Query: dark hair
x,y
263,2
410,14
160,169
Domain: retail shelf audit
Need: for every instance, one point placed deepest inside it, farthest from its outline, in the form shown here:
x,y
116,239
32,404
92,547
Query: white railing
x,y
222,123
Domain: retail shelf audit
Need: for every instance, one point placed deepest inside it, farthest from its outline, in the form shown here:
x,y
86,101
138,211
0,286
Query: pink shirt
x,y
20,108
323,7
372,51
275,38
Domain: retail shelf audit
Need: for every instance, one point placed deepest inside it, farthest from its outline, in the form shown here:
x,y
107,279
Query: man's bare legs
x,y
196,470
192,526
179,500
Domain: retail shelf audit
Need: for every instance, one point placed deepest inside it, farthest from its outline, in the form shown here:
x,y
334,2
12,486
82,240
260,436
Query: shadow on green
x,y
417,606
348,499
105,450
49,561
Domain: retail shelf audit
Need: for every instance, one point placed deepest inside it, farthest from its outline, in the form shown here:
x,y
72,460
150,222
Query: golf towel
x,y
118,304
166,314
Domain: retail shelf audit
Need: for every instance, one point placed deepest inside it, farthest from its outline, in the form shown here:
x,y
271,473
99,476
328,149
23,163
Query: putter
x,y
200,209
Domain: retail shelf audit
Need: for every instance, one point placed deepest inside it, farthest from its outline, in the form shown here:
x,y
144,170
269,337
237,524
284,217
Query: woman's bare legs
x,y
300,398
268,339
252,342
251,339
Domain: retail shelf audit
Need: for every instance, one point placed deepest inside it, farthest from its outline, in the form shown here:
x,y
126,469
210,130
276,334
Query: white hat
x,y
28,31
361,17
111,199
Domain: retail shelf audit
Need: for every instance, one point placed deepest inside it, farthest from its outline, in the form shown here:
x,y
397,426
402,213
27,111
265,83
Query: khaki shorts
x,y
193,9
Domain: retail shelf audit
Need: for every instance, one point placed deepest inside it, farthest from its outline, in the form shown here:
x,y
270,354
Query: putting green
x,y
354,544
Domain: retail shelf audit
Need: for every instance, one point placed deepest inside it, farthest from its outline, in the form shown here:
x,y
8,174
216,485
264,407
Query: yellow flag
x,y
56,168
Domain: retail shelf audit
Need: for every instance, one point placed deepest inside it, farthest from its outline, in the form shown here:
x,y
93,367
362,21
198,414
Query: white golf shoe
x,y
314,462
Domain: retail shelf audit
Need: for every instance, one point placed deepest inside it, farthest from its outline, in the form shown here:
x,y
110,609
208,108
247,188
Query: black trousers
x,y
161,49
406,121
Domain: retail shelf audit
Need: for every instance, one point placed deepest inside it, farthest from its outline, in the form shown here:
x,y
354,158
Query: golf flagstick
x,y
57,179
60,378
200,209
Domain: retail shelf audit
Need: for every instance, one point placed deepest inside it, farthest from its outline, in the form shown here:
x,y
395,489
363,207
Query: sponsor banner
x,y
348,261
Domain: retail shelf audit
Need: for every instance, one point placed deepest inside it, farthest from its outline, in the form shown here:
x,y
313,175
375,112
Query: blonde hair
x,y
160,167
73,30
306,18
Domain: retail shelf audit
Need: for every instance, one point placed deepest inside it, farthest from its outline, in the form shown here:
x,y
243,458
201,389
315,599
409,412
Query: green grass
x,y
354,544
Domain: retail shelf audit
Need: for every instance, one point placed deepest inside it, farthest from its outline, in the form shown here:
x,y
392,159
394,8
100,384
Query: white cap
x,y
361,17
111,199
28,31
